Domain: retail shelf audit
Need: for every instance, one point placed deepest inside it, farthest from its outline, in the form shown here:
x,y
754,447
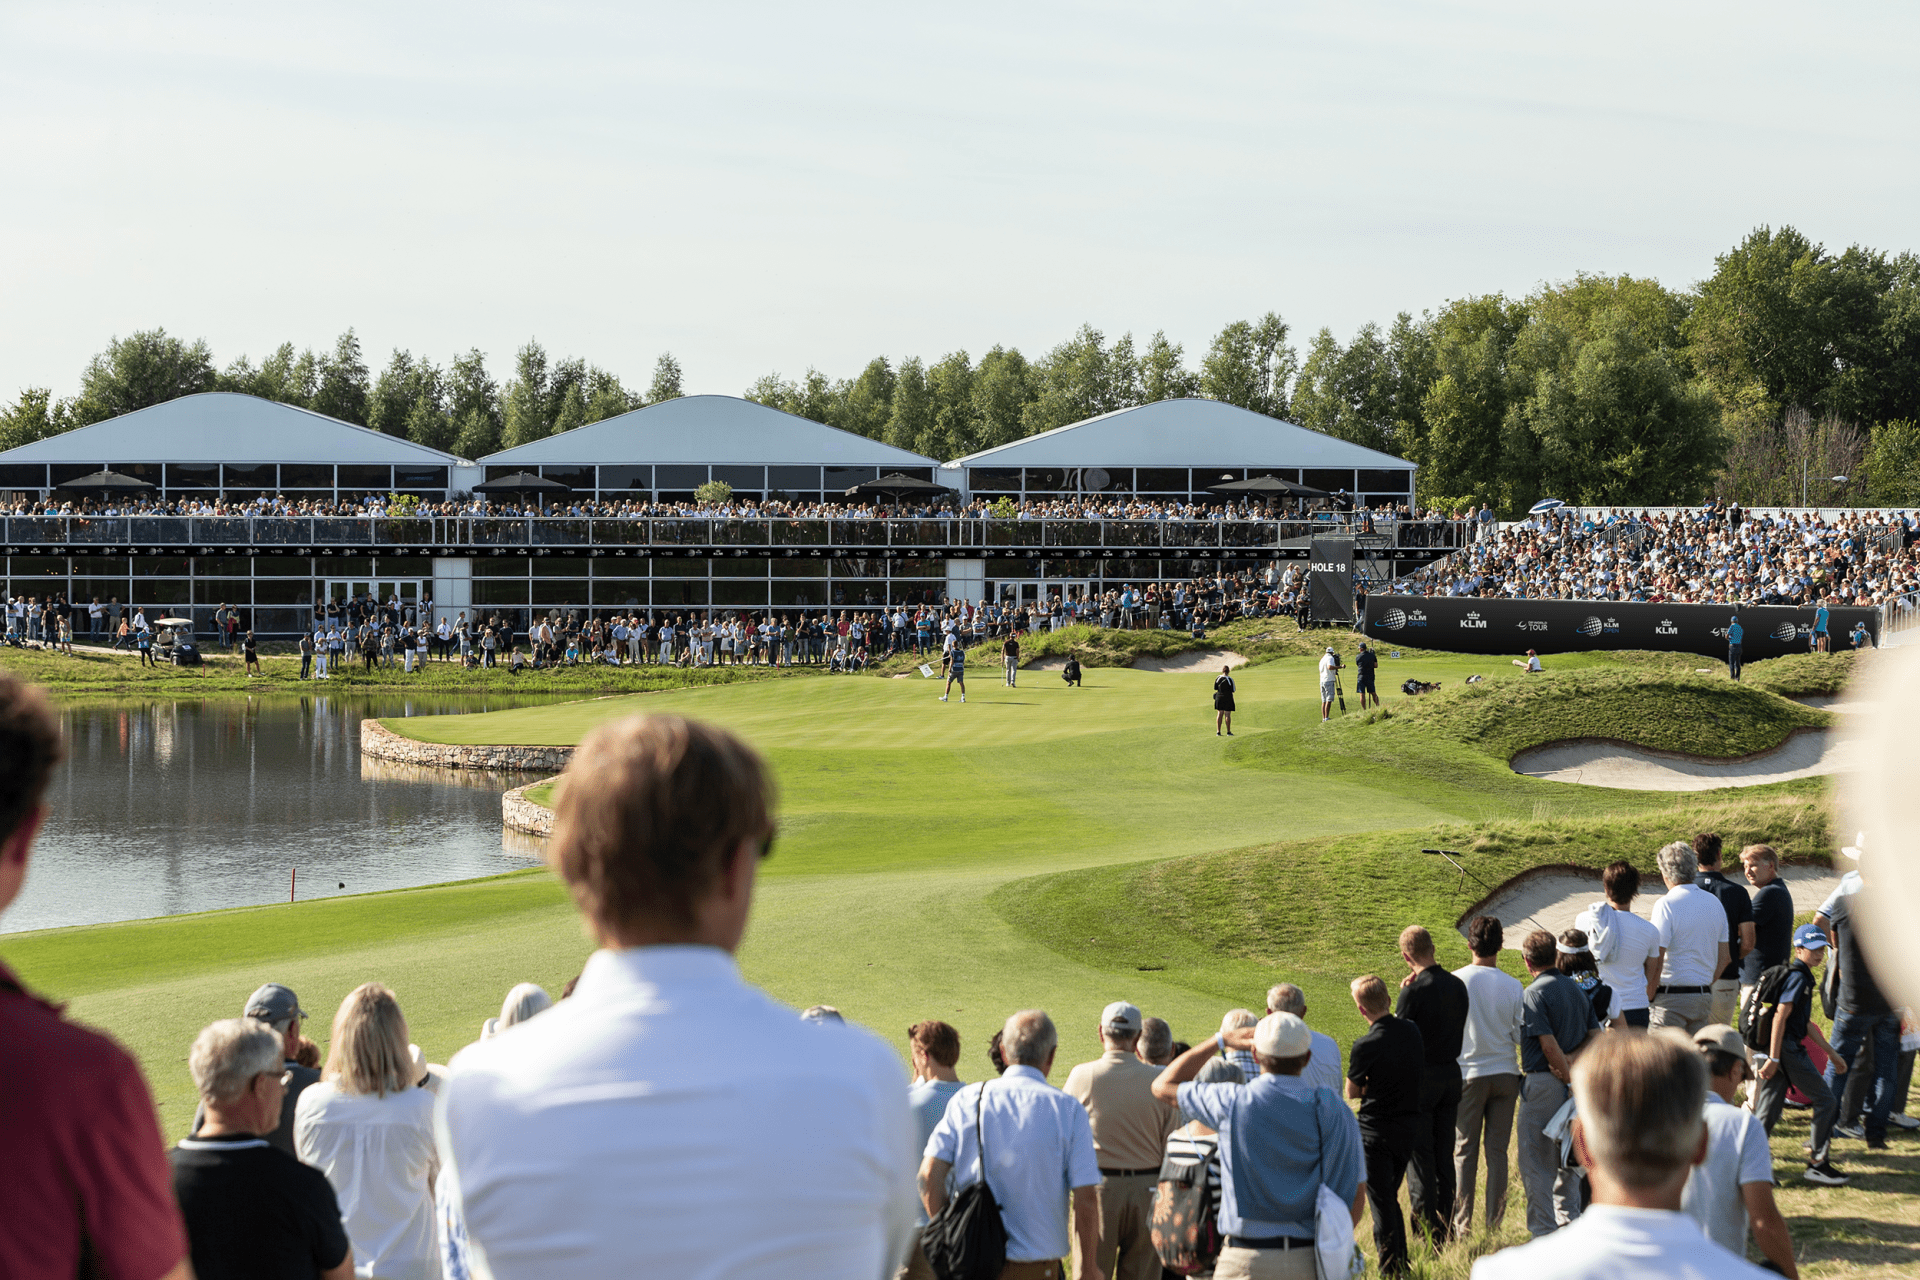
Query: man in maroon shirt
x,y
88,1187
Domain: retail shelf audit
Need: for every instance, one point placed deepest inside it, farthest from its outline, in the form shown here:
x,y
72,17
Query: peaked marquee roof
x,y
1180,433
224,426
720,429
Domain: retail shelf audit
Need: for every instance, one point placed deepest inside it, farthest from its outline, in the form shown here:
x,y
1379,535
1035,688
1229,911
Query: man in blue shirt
x,y
1733,646
1786,1064
1280,1139
1821,641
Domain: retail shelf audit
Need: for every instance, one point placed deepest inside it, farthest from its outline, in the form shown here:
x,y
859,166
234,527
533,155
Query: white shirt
x,y
1039,1148
1328,665
378,1154
1634,943
1490,1045
1737,1154
1323,1068
671,1120
1609,1242
1692,924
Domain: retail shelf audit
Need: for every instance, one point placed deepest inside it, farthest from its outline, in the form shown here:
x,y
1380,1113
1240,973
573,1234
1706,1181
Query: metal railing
x,y
461,534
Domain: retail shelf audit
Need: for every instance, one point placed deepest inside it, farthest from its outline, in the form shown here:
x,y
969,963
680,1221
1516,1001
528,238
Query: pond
x,y
192,804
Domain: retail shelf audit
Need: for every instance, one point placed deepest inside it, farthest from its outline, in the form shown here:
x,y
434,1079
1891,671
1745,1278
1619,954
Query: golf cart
x,y
175,643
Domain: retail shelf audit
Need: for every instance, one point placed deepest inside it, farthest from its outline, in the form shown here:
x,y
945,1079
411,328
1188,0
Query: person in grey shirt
x,y
1556,1019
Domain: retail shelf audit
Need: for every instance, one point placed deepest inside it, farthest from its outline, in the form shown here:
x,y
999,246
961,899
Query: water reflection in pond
x,y
165,807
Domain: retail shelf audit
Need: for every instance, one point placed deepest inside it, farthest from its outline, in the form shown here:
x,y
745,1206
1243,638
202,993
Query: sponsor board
x,y
1468,624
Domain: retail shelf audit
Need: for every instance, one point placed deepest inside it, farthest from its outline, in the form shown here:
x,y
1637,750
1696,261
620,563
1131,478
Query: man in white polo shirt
x,y
668,1119
1039,1156
1693,943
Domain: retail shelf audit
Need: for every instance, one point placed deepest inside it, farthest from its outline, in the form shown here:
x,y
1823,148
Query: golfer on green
x,y
956,670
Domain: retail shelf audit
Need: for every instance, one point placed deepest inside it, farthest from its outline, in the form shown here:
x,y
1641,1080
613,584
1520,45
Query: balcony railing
x,y
461,535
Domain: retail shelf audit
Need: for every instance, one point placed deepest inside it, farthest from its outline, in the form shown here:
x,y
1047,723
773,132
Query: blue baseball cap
x,y
1810,936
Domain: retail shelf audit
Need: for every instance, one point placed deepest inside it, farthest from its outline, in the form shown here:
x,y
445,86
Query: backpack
x,y
1756,1019
1186,1234
967,1240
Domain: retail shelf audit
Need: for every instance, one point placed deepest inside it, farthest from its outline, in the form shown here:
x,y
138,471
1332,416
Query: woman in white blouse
x,y
369,1127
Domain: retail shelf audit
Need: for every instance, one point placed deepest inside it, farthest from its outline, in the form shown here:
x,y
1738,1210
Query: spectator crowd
x,y
664,1117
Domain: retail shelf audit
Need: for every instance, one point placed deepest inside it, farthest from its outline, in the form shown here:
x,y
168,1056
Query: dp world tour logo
x,y
1473,620
1394,619
1785,631
1591,627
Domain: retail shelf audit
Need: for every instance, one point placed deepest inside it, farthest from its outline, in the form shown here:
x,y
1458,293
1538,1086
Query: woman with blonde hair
x,y
369,1128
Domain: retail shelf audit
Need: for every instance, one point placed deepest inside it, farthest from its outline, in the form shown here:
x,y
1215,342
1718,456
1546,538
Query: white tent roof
x,y
1181,433
717,429
222,426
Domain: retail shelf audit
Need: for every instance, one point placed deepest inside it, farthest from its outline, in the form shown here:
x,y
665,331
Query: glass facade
x,y
1372,488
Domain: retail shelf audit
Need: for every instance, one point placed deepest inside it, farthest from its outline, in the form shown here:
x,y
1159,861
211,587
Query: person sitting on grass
x,y
1530,663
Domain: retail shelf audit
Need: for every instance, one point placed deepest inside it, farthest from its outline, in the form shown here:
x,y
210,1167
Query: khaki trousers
x,y
1484,1119
1725,1007
1689,1012
1265,1264
917,1267
1126,1222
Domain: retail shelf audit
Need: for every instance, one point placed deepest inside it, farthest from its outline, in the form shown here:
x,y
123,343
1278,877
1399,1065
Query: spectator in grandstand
x,y
86,1170
369,1127
935,1050
1039,1149
1693,942
1490,1079
280,1009
1738,904
1786,1023
1556,1021
1625,948
1733,1187
1282,1139
251,1209
1639,1134
1324,1071
806,1141
1435,1001
1384,1072
1156,1042
1130,1130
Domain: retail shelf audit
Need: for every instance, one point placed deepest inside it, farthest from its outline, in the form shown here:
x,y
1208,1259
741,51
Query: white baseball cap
x,y
1120,1016
1281,1035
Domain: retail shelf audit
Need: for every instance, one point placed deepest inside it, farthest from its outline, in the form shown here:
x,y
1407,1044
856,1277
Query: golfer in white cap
x,y
1329,682
1280,1140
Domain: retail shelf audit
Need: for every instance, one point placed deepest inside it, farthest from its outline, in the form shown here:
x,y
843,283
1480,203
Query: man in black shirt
x,y
1735,901
1384,1070
1436,1002
1866,1030
1366,662
1772,916
252,1211
280,1009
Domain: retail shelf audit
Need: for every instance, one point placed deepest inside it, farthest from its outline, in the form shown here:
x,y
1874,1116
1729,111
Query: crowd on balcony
x,y
1717,554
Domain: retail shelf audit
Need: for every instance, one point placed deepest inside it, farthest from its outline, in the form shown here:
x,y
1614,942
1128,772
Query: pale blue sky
x,y
767,187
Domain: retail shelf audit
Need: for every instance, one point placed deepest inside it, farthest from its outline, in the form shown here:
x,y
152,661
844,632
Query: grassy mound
x,y
1661,710
1257,639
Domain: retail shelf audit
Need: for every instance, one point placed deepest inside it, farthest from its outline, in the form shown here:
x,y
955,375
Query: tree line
x,y
1786,367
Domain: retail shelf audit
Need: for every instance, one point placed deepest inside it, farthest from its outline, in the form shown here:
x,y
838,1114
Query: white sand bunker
x,y
1844,704
1209,660
1550,897
1805,754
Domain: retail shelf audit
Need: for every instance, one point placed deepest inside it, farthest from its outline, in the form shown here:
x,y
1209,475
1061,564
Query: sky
x,y
768,187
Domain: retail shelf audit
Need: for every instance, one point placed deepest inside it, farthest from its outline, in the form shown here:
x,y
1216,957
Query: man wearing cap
x,y
1733,646
1281,1139
1130,1130
1787,1064
1324,1069
1329,682
1733,1186
280,1009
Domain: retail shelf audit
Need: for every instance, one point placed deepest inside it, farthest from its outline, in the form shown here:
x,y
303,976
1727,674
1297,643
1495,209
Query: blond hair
x,y
1639,1100
368,1052
1370,993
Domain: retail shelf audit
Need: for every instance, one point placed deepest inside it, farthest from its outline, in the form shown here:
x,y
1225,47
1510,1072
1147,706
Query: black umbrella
x,y
897,486
106,483
522,482
1267,487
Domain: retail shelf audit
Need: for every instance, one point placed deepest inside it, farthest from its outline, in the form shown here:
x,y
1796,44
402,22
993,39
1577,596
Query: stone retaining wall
x,y
517,813
383,743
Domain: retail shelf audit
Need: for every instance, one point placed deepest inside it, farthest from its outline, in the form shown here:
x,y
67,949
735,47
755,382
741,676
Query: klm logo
x,y
1666,628
1474,620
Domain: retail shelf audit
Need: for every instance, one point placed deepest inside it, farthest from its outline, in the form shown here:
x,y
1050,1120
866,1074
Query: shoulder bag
x,y
967,1240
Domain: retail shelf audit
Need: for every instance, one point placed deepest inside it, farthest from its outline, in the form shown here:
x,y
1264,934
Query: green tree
x,y
1369,391
1464,410
34,416
912,416
285,376
344,390
478,435
572,411
401,385
428,423
954,431
869,401
524,411
143,369
1003,387
473,400
1251,365
666,379
1082,378
1163,376
1893,464
606,398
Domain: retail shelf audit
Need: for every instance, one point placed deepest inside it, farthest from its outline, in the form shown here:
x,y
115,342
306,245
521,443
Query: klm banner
x,y
1467,624
1330,580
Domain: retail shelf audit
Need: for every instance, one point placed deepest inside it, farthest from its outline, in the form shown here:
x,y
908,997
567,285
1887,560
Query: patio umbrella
x,y
1545,505
897,486
106,484
522,482
1268,487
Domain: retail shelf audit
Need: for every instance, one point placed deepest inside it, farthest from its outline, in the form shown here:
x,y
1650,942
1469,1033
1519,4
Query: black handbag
x,y
967,1240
